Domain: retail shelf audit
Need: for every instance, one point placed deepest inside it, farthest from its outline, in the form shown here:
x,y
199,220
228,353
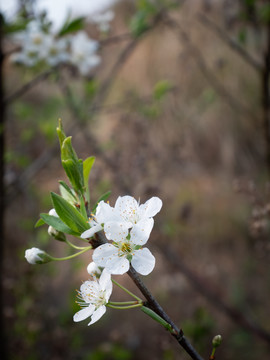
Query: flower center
x,y
125,248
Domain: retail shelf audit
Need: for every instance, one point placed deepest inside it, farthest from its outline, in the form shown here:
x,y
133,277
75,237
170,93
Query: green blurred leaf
x,y
57,224
72,26
39,223
69,214
161,89
83,209
87,166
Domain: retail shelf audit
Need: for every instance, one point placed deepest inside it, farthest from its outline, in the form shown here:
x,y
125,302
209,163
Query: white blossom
x,y
33,255
126,248
83,52
103,19
93,296
104,214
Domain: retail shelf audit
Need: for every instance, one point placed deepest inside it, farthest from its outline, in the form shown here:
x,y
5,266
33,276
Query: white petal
x,y
103,253
140,232
143,261
106,283
117,266
93,269
105,213
116,231
127,206
90,232
97,314
151,207
84,313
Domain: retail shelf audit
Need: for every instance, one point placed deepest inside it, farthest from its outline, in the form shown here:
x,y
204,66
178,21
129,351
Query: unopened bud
x,y
37,256
216,341
58,235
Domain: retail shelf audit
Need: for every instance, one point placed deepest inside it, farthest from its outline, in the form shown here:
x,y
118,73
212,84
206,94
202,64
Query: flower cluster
x,y
38,46
127,226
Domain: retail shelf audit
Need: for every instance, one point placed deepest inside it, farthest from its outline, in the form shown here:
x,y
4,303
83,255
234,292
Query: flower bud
x,y
58,235
36,256
216,341
94,270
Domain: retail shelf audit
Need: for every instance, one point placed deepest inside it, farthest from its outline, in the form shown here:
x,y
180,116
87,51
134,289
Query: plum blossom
x,y
103,19
126,248
104,214
93,296
126,210
83,52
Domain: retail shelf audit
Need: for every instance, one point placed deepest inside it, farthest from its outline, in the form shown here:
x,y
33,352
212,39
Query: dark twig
x,y
197,282
255,64
155,306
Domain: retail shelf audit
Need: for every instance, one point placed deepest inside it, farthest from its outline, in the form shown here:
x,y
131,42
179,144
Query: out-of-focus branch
x,y
115,39
254,63
28,86
197,56
204,289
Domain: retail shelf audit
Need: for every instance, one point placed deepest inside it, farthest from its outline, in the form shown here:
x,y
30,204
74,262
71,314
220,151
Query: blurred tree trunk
x,y
3,353
266,97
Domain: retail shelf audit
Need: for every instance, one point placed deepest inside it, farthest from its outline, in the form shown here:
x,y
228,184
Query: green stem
x,y
71,256
126,290
75,246
123,302
124,307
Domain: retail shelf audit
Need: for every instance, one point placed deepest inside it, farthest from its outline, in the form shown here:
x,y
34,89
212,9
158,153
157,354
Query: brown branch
x,y
26,87
155,306
255,64
201,286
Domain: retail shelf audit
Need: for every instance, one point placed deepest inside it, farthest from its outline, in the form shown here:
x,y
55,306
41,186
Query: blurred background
x,y
179,109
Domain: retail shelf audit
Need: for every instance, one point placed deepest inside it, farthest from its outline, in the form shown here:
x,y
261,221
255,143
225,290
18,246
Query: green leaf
x,y
72,165
103,197
157,318
57,224
67,193
39,223
87,166
69,214
83,209
72,26
60,132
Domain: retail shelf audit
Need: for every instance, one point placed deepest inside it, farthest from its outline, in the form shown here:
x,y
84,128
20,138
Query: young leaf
x,y
57,224
66,192
69,214
87,166
83,209
60,133
74,25
39,223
